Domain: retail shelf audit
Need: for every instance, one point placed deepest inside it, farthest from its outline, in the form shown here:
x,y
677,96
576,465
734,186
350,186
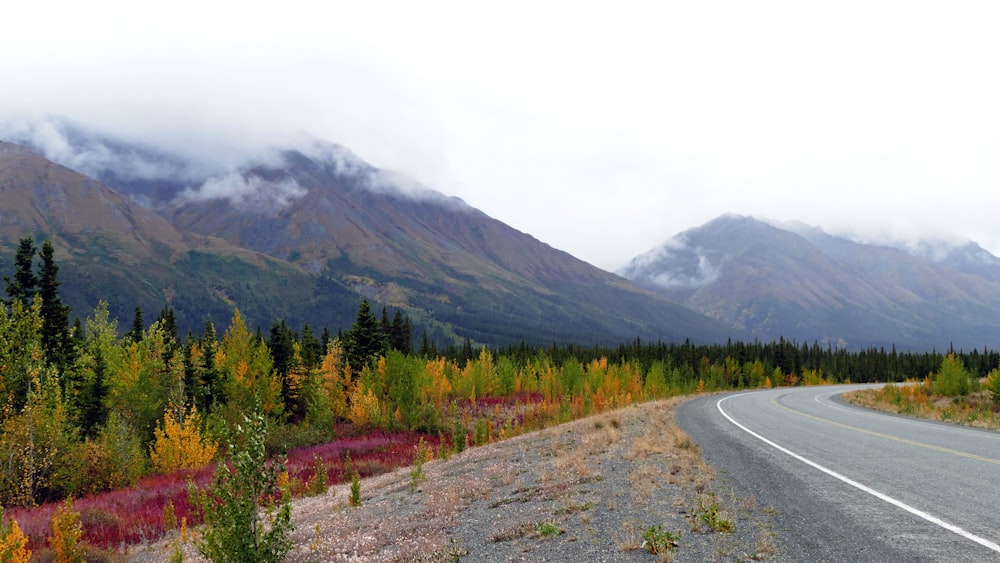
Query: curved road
x,y
849,484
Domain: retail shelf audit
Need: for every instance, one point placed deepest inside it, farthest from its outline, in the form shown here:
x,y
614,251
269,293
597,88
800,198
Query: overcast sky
x,y
602,131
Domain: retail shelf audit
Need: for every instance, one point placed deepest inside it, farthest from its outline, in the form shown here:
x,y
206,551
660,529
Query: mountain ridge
x,y
343,223
812,286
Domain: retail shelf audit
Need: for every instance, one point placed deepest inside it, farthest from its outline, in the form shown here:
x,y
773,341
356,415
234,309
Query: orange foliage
x,y
180,445
13,543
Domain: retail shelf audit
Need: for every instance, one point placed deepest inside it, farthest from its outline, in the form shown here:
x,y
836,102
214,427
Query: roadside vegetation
x,y
951,394
135,426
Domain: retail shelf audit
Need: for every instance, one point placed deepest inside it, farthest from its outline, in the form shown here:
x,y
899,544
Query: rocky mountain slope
x,y
109,247
318,209
810,286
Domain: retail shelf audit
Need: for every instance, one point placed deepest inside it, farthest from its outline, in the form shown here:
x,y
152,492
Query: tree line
x,y
90,407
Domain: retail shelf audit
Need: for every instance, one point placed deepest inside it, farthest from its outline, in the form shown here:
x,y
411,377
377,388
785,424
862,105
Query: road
x,y
849,484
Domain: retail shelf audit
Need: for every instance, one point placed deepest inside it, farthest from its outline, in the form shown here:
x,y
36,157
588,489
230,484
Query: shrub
x,y
320,481
417,473
993,384
658,540
953,379
66,532
236,529
355,498
179,444
13,542
708,513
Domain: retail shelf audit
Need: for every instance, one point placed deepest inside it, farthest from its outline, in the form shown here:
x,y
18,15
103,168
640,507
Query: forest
x,y
90,407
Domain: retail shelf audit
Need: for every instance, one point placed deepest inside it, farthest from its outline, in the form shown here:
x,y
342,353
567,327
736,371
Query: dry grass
x,y
579,478
914,399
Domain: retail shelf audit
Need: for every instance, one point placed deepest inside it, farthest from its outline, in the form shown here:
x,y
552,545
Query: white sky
x,y
600,128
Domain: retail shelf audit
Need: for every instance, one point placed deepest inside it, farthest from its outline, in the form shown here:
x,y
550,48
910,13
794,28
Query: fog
x,y
601,130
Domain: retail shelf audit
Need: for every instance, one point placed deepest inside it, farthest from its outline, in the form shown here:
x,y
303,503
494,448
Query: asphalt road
x,y
849,484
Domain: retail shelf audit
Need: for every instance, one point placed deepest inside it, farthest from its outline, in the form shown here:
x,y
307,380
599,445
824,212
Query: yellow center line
x,y
774,401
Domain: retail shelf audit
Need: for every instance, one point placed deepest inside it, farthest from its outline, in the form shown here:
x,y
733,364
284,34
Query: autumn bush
x,y
66,534
13,542
179,444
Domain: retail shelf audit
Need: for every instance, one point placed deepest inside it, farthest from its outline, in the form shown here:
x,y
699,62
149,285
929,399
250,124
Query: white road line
x,y
881,496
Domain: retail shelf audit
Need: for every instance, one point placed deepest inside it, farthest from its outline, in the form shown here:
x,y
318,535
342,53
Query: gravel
x,y
582,491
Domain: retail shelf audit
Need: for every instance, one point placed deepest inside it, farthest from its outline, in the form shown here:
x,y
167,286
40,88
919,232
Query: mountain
x,y
967,257
109,247
318,210
807,285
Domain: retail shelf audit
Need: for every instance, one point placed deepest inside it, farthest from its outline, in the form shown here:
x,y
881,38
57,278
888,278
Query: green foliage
x,y
708,513
246,367
320,481
365,341
31,441
247,516
355,498
458,434
952,380
657,540
548,528
23,286
993,384
21,354
114,459
55,315
417,475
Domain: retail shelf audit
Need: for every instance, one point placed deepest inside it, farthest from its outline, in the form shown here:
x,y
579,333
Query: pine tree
x,y
135,334
400,337
55,316
312,348
24,284
365,341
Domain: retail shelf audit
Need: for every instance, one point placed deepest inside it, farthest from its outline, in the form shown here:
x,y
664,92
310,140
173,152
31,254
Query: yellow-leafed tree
x,y
179,444
13,542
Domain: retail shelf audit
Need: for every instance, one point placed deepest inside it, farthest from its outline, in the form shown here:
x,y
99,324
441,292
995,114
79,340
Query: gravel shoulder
x,y
582,491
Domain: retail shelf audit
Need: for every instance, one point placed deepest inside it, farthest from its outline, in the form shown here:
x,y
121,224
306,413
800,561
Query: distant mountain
x,y
109,247
319,210
810,286
967,257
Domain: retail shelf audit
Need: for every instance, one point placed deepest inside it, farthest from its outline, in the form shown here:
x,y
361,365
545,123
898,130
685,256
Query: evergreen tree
x,y
137,326
56,340
312,348
400,331
23,286
280,343
168,323
365,341
325,339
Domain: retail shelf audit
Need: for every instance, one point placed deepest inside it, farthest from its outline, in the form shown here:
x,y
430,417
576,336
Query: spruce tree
x,y
55,315
137,326
365,341
23,286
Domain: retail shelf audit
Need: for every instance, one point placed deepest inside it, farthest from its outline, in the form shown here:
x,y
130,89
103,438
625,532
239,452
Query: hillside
x,y
317,210
812,286
109,247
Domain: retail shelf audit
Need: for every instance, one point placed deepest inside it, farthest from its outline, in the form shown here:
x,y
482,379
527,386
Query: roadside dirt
x,y
583,491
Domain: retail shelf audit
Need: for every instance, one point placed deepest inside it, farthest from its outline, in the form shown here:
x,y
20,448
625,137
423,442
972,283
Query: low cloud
x,y
210,169
246,192
94,154
673,265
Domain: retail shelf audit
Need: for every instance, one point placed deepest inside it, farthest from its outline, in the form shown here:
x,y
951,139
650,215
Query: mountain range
x,y
801,283
303,233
